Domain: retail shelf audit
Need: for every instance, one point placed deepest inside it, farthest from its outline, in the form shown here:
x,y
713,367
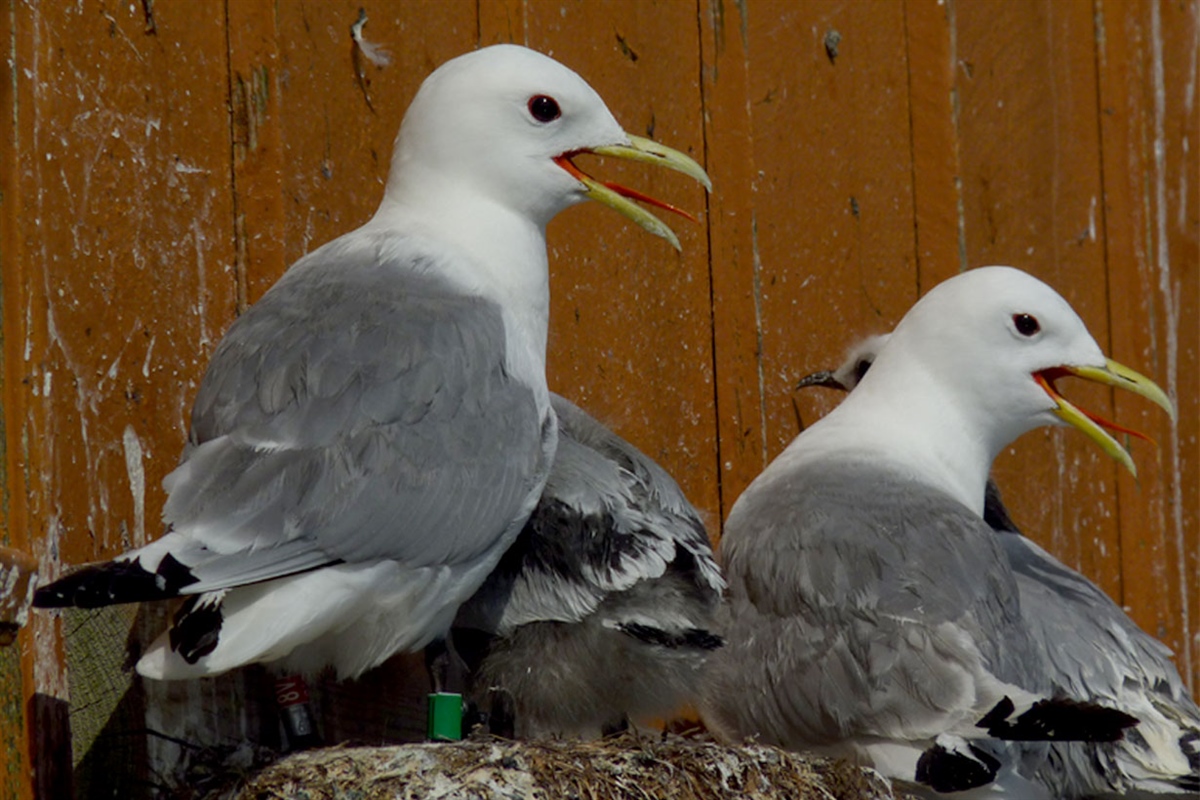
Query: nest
x,y
626,767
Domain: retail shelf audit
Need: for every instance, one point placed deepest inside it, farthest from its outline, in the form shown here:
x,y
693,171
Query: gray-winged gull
x,y
371,435
874,615
603,608
1093,651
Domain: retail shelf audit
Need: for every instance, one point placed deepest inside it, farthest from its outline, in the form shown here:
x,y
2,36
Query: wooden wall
x,y
163,162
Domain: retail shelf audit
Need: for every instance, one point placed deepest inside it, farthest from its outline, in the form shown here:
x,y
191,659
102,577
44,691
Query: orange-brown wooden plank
x,y
14,758
118,285
1029,148
933,114
125,193
339,113
821,247
1178,222
630,336
730,142
1147,63
255,84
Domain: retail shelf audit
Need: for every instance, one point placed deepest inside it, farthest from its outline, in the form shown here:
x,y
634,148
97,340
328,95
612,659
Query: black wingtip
x,y
998,715
1057,720
115,582
197,629
1187,783
945,770
702,639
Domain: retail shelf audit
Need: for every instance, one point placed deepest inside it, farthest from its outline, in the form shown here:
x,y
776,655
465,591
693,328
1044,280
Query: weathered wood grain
x,y
630,333
813,234
163,164
1147,62
1031,198
114,287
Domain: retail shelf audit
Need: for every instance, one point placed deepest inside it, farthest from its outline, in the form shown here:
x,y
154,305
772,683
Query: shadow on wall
x,y
122,736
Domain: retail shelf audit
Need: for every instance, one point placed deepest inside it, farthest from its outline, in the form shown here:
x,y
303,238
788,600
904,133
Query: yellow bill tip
x,y
648,151
1112,374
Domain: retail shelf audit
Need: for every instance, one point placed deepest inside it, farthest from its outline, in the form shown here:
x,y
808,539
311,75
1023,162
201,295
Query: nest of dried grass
x,y
627,767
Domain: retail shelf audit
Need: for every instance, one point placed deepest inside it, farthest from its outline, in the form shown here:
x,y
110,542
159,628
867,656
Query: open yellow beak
x,y
1111,374
618,197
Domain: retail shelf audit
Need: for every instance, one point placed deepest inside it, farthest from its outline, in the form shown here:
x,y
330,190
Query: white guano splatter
x,y
137,483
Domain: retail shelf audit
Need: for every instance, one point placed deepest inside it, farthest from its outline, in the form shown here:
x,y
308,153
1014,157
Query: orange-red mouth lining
x,y
565,162
1046,379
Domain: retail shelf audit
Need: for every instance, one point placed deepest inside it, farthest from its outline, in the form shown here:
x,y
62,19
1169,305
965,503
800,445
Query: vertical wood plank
x,y
1029,146
933,108
630,337
729,138
15,671
1147,63
821,250
339,113
128,287
1177,76
257,139
312,147
112,300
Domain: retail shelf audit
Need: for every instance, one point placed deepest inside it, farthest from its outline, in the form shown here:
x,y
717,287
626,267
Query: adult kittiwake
x,y
603,609
370,437
873,614
1093,651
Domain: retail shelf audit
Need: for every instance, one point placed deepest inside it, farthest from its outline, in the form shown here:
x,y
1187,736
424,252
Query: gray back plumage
x,y
1093,651
361,409
602,609
1090,654
608,518
861,599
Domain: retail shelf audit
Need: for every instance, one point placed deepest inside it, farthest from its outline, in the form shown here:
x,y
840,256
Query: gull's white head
x,y
982,336
503,123
972,366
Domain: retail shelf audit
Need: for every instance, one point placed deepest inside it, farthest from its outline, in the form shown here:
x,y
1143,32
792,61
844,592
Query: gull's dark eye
x,y
1027,324
544,108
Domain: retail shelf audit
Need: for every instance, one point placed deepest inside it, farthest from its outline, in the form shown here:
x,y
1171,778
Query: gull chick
x,y
603,609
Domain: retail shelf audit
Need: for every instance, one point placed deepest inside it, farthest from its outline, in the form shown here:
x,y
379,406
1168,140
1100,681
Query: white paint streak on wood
x,y
1169,291
136,470
146,362
201,275
758,328
49,676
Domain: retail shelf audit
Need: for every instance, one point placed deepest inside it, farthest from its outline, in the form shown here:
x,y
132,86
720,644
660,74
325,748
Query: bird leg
x,y
614,727
501,715
447,672
295,712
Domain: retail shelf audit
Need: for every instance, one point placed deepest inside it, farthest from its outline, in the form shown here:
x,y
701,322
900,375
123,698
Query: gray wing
x,y
1092,647
861,605
1094,651
639,495
362,409
609,518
